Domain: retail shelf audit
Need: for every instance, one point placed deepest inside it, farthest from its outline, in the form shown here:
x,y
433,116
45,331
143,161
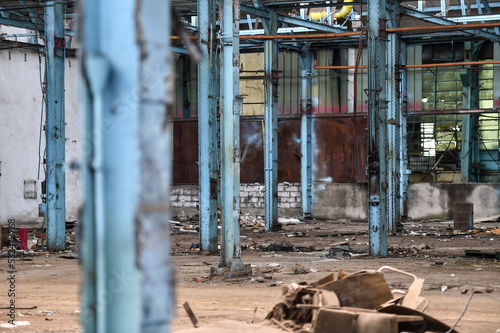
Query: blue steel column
x,y
271,126
237,264
377,105
469,153
305,133
111,300
403,142
54,126
393,123
156,92
229,68
207,127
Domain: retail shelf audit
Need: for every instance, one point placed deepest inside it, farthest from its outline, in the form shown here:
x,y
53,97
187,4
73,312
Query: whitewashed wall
x,y
21,105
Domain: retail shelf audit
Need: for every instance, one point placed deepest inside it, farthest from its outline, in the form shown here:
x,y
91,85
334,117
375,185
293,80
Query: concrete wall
x,y
427,201
340,201
435,200
21,103
184,199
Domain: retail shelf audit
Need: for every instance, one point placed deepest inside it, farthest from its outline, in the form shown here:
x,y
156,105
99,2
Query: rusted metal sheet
x,y
252,151
289,150
333,149
332,159
185,166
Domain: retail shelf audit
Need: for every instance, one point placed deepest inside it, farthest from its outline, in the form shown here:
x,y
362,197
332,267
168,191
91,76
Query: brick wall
x,y
184,199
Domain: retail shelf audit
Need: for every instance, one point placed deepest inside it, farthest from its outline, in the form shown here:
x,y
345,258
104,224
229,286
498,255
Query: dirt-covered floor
x,y
300,252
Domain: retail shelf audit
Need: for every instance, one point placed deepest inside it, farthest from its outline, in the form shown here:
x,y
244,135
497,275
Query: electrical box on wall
x,y
30,189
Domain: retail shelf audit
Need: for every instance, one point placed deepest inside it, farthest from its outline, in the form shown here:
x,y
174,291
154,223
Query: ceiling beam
x,y
290,20
441,21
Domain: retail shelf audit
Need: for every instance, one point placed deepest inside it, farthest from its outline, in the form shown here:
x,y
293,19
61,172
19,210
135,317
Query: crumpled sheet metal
x,y
356,303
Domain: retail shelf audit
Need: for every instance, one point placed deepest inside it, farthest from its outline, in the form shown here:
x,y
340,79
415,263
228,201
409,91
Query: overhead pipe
x,y
344,11
446,27
449,64
446,64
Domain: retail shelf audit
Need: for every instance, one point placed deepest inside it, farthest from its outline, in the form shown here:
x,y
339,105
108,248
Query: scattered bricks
x,y
184,198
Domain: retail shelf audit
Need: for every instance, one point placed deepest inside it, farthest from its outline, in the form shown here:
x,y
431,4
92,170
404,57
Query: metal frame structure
x,y
118,54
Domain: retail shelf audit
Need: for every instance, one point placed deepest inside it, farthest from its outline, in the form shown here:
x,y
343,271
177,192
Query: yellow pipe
x,y
344,11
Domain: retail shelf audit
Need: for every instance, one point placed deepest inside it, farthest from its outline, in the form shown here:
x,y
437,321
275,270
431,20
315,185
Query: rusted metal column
x,y
230,81
377,108
271,81
207,130
55,208
156,92
393,120
306,64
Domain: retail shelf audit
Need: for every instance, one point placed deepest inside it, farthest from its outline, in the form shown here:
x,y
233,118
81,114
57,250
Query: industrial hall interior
x,y
264,166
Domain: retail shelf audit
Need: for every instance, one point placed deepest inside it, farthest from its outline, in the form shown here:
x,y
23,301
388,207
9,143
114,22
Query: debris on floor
x,y
342,251
353,303
285,247
226,274
478,253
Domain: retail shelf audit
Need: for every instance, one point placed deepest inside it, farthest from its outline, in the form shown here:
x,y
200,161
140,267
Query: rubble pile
x,y
353,303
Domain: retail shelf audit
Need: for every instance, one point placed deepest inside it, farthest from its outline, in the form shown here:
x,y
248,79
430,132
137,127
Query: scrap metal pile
x,y
355,303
